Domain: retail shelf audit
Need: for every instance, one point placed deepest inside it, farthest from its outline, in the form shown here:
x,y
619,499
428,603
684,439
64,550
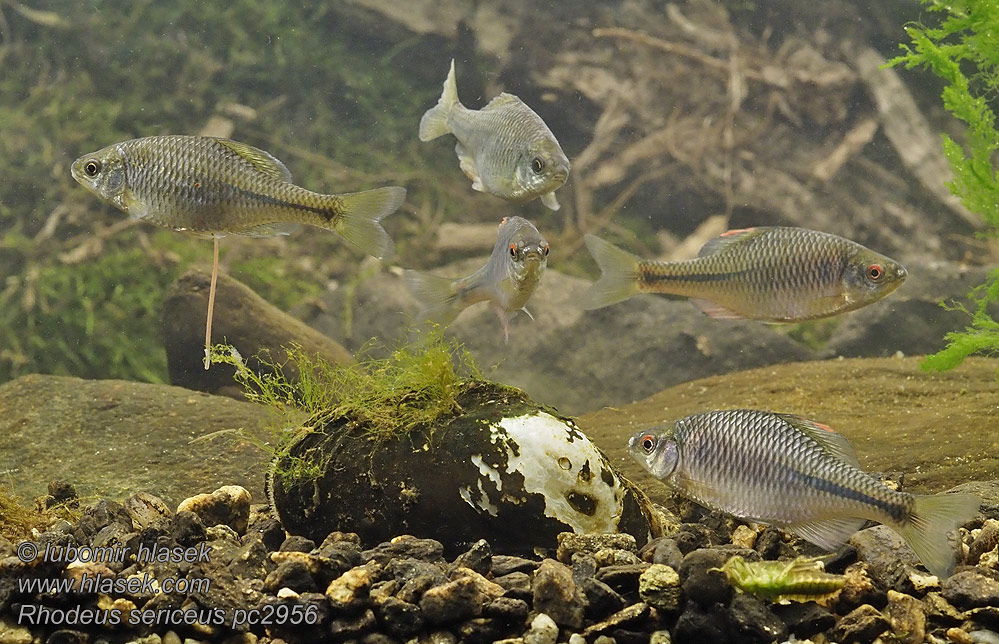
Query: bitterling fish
x,y
505,148
770,273
215,187
796,474
508,279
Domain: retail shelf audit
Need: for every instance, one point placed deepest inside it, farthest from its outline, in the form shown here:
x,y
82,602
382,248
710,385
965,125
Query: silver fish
x,y
508,279
505,148
797,474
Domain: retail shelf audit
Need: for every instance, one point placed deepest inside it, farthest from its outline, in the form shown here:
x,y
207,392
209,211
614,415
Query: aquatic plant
x,y
964,52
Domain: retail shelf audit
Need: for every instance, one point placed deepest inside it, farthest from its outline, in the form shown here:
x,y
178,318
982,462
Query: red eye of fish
x,y
513,251
875,272
546,250
648,443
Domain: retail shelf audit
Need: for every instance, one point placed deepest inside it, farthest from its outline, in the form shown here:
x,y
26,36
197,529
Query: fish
x,y
798,475
505,148
508,279
213,187
772,274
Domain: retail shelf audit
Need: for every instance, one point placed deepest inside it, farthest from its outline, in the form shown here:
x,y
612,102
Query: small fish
x,y
771,274
508,279
504,148
796,474
214,187
800,580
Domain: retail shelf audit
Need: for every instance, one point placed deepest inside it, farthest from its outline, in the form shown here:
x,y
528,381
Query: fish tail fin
x,y
362,212
437,297
434,121
926,528
618,274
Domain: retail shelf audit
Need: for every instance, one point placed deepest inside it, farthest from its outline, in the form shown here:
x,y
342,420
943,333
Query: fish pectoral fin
x,y
830,440
469,167
524,309
827,533
268,230
261,160
549,200
715,310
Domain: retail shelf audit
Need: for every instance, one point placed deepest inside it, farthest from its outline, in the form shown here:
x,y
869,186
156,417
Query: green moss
x,y
964,52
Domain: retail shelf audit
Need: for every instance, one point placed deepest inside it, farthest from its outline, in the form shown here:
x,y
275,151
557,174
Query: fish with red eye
x,y
508,279
875,272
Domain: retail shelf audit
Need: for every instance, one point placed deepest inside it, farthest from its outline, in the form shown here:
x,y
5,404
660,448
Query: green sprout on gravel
x,y
964,52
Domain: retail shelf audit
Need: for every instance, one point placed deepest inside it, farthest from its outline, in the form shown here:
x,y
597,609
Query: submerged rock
x,y
503,467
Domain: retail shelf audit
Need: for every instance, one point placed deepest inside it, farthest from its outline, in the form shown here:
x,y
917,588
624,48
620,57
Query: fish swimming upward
x,y
772,274
215,187
796,474
504,148
508,279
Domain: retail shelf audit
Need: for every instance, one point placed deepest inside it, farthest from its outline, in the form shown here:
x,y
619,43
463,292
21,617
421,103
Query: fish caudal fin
x,y
362,213
438,301
618,274
434,121
926,528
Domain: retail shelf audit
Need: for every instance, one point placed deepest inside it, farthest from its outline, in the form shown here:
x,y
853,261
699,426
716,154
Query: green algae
x,y
964,51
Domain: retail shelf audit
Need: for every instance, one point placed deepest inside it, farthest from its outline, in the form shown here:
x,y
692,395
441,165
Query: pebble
x,y
459,599
478,558
229,505
752,621
986,540
860,625
702,582
906,618
349,591
969,589
145,509
569,543
659,586
554,593
743,536
624,617
543,631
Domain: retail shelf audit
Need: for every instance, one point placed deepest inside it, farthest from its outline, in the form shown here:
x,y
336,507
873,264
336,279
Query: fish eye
x,y
92,168
648,443
537,165
875,272
513,250
545,250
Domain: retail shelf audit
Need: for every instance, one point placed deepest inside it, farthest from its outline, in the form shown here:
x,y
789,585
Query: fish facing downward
x,y
508,279
796,474
772,274
215,187
504,148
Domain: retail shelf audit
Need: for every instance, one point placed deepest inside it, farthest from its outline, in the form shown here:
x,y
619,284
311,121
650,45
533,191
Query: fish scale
x,y
794,473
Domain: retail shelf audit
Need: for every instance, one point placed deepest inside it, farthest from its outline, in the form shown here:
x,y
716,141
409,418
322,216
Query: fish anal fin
x,y
730,238
268,230
827,533
549,200
830,440
261,160
469,167
715,310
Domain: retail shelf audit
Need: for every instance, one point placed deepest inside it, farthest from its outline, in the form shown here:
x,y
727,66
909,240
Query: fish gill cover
x,y
964,52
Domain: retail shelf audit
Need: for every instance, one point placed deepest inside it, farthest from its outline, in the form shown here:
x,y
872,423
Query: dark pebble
x,y
270,532
804,619
601,599
290,574
481,630
516,584
506,564
507,609
452,602
251,559
337,559
405,547
752,621
347,628
770,544
105,511
400,618
187,529
636,615
377,638
860,625
702,584
555,594
63,493
692,536
698,624
584,566
297,543
624,578
667,553
478,558
971,589
65,635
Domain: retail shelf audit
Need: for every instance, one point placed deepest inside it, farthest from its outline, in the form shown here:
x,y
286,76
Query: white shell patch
x,y
557,461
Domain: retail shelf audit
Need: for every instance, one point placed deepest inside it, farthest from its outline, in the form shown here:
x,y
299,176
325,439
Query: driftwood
x,y
244,320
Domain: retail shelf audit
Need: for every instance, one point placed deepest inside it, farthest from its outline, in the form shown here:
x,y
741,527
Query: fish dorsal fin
x,y
502,100
728,239
827,533
832,441
263,161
